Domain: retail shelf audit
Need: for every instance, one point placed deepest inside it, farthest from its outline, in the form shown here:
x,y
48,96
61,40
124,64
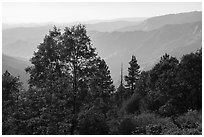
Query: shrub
x,y
190,124
93,123
145,124
178,131
167,109
113,126
139,131
145,119
126,127
132,105
190,120
154,129
149,123
152,124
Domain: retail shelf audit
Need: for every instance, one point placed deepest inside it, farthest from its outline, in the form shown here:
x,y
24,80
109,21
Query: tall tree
x,y
77,52
63,60
133,74
50,85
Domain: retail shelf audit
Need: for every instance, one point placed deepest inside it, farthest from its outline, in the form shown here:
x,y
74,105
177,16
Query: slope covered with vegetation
x,y
71,92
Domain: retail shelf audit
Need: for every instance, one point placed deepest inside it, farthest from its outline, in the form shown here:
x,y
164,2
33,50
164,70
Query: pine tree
x,y
103,84
11,87
133,74
103,79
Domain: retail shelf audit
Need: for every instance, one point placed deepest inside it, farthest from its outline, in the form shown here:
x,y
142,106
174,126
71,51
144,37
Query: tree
x,y
162,93
77,51
189,75
102,85
47,63
50,89
138,101
133,74
11,88
63,68
93,116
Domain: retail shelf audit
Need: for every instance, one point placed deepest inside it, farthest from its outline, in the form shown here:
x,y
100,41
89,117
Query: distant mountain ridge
x,y
160,21
147,46
91,25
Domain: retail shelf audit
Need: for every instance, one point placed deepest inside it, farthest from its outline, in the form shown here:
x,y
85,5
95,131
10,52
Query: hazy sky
x,y
70,12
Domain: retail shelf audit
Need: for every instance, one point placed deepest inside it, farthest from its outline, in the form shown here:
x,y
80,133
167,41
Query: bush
x,y
178,131
145,124
113,126
145,119
154,129
190,120
93,123
113,120
190,124
139,131
132,105
167,109
126,127
149,123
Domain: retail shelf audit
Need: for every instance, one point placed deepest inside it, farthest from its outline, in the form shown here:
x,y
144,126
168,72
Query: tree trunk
x,y
74,100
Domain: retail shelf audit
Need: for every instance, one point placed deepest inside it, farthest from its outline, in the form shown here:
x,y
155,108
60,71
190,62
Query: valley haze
x,y
115,40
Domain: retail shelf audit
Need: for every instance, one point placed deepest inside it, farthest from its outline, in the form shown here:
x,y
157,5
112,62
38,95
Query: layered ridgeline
x,y
148,47
148,40
160,21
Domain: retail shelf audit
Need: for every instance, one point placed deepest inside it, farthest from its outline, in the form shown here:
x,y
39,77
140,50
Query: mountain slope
x,y
16,66
160,21
15,40
117,47
111,25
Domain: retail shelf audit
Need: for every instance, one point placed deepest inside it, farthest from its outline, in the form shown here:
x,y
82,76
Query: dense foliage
x,y
11,88
71,92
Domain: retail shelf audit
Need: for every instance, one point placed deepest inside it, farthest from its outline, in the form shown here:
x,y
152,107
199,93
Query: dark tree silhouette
x,y
133,74
11,88
60,62
162,85
190,78
102,85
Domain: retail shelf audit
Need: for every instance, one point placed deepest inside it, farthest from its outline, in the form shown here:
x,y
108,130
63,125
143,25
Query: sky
x,y
42,12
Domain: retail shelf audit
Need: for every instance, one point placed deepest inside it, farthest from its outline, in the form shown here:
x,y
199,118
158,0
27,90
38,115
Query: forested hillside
x,y
71,91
